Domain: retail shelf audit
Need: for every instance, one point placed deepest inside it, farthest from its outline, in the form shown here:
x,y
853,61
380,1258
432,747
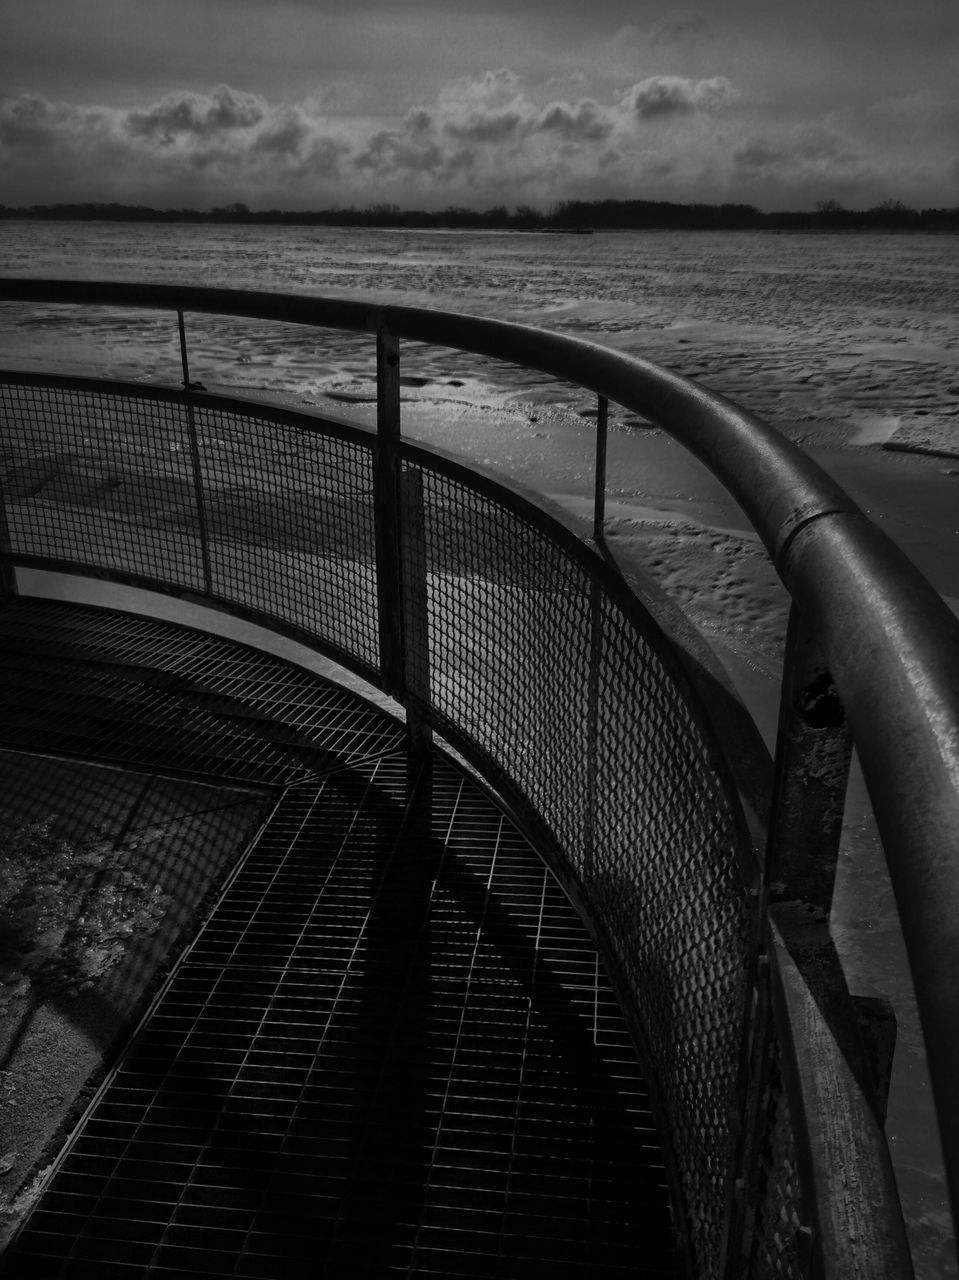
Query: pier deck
x,y
390,1047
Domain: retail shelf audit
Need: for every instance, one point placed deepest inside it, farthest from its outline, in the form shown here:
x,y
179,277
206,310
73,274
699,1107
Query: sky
x,y
310,104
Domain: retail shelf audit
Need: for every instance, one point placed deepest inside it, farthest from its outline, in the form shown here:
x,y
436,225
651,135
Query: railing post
x,y
400,554
386,503
8,574
599,499
834,1080
414,587
195,462
813,753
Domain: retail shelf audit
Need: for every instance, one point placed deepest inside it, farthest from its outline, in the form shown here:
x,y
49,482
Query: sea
x,y
847,343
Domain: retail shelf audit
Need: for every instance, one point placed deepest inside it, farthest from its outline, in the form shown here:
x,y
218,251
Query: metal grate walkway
x,y
390,1048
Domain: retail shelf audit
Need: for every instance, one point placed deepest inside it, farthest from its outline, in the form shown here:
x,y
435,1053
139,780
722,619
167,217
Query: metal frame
x,y
871,639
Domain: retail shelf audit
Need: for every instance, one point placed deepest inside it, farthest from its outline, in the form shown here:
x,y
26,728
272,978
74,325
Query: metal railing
x,y
498,628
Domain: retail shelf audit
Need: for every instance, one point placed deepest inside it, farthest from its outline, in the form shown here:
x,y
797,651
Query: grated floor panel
x,y
391,1047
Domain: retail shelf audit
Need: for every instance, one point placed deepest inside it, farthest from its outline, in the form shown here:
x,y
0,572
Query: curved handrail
x,y
890,643
778,487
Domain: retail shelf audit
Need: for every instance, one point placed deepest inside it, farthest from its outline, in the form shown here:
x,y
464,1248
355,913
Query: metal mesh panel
x,y
560,690
101,480
300,506
257,513
169,698
519,649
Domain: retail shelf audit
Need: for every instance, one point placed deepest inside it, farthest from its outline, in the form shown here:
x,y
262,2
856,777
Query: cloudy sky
x,y
427,103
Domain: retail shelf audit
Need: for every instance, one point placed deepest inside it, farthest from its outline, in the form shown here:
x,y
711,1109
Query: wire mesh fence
x,y
554,683
152,487
512,643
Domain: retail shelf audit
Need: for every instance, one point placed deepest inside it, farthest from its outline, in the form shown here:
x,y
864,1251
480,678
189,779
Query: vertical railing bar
x,y
415,616
9,586
181,326
386,512
201,513
599,499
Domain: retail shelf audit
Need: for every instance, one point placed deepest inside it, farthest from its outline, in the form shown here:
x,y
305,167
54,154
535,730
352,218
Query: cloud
x,y
804,147
585,121
31,122
392,152
196,115
488,129
484,139
796,166
186,148
660,96
913,117
680,29
286,133
492,88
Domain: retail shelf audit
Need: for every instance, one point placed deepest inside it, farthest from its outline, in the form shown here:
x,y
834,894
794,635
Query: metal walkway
x,y
390,1048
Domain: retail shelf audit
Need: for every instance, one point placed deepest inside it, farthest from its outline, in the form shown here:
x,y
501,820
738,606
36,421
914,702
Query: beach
x,y
849,345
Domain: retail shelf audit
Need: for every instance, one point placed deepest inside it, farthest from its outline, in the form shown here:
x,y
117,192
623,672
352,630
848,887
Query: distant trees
x,y
893,213
567,215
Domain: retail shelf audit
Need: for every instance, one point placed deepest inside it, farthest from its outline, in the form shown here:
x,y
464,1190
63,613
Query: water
x,y
843,342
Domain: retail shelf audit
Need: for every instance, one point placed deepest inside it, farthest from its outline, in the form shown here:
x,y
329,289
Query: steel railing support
x,y
400,554
415,606
198,488
599,498
385,499
831,1081
813,754
8,574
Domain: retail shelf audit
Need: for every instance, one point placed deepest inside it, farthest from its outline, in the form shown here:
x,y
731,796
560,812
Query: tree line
x,y
566,216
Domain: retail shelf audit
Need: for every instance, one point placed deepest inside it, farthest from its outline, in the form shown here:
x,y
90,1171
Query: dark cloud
x,y
489,136
497,125
803,146
584,122
392,152
287,134
197,115
658,96
30,122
